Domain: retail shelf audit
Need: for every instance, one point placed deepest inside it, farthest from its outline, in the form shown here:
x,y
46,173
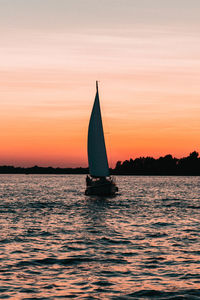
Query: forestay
x,y
97,157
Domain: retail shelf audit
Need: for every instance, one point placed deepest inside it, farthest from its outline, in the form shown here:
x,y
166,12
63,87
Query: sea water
x,y
56,243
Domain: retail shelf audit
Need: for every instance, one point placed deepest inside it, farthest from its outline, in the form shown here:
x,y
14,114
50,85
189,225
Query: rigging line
x,y
107,132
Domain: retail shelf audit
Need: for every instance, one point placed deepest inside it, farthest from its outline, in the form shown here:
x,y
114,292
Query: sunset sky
x,y
146,55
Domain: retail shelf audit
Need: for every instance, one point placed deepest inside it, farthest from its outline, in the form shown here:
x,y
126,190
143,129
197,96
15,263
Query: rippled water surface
x,y
57,243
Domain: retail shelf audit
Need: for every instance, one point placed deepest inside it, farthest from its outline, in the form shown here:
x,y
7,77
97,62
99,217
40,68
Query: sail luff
x,y
97,156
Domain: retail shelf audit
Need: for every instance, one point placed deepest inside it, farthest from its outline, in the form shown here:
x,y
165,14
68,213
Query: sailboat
x,y
99,181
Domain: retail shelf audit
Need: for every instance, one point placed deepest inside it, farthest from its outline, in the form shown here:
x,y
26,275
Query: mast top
x,y
97,85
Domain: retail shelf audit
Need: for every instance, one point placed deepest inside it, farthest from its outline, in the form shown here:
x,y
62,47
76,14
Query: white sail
x,y
97,157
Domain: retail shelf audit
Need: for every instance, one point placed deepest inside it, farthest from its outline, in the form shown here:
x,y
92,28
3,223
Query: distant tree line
x,y
41,170
164,165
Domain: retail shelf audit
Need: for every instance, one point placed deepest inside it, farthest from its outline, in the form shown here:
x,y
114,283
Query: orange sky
x,y
146,57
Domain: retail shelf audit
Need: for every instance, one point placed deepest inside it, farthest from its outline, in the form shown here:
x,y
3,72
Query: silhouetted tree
x,y
189,165
166,165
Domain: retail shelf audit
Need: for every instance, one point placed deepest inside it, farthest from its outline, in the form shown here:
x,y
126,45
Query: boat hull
x,y
101,189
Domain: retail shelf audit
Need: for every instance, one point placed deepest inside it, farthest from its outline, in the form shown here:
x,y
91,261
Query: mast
x,y
97,156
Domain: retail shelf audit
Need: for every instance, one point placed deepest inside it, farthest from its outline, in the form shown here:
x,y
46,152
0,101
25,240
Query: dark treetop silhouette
x,y
166,165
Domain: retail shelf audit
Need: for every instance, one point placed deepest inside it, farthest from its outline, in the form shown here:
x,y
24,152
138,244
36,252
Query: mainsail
x,y
97,157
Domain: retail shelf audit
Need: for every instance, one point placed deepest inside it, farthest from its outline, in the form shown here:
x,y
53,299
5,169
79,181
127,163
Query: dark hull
x,y
106,189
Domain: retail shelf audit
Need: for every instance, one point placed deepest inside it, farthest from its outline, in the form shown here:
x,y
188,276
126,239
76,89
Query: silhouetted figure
x,y
88,180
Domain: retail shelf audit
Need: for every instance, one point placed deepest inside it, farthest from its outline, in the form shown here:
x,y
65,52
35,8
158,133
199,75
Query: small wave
x,y
114,241
39,204
170,199
37,232
156,235
161,295
5,241
114,261
53,261
103,283
29,290
161,224
193,206
191,276
4,289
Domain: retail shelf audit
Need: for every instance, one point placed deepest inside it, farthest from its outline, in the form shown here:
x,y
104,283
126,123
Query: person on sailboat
x,y
88,180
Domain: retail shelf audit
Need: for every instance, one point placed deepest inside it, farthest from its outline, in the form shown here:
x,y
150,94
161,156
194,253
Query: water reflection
x,y
55,241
